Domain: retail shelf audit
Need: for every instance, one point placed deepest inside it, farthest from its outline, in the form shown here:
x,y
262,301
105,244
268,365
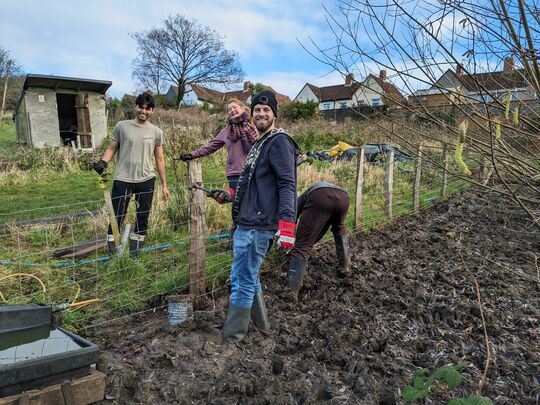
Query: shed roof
x,y
66,83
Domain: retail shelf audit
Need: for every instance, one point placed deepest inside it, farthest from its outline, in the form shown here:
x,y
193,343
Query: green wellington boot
x,y
259,316
342,252
237,323
295,277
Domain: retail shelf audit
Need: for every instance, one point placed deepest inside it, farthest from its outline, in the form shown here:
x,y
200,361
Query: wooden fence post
x,y
445,170
417,177
359,208
389,183
197,249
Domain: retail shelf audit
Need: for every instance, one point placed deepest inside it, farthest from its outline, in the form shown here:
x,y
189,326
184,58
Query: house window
x,y
326,106
375,102
342,104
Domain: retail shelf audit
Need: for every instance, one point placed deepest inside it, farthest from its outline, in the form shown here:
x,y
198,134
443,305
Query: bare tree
x,y
149,76
417,41
184,52
8,69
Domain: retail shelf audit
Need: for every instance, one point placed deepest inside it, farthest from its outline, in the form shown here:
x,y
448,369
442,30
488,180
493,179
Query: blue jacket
x,y
271,193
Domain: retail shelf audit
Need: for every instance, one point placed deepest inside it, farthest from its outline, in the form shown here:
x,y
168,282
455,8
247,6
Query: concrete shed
x,y
56,111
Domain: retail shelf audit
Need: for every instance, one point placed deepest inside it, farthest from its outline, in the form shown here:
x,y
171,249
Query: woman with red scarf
x,y
238,136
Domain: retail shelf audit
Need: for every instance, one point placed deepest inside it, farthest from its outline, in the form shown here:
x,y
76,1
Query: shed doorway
x,y
67,119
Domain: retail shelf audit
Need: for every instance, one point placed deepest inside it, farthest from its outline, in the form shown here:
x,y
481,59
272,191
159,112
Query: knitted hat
x,y
265,97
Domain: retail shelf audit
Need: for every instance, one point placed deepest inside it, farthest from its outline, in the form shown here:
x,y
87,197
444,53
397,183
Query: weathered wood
x,y
417,177
84,390
389,184
49,220
83,121
197,250
67,393
82,249
359,207
444,184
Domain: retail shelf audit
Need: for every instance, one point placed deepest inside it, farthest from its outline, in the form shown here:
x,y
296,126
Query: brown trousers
x,y
324,208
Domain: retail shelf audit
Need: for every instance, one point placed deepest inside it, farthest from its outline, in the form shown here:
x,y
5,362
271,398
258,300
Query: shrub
x,y
299,110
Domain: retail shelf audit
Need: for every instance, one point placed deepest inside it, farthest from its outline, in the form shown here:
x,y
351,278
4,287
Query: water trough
x,y
35,354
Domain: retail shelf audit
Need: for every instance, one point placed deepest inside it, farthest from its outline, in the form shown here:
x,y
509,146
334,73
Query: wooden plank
x,y
389,184
444,183
67,393
417,177
55,219
84,390
82,249
359,207
197,249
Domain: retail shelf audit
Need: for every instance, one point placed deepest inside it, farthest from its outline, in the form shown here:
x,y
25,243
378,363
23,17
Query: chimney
x,y
459,70
349,79
508,64
382,75
247,86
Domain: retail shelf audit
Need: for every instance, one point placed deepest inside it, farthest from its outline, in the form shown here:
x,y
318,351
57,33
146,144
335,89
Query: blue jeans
x,y
249,248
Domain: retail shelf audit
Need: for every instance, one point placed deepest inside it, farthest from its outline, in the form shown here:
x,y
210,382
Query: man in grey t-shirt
x,y
135,141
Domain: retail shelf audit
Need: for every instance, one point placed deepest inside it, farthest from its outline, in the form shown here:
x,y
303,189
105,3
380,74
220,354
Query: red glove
x,y
285,235
222,196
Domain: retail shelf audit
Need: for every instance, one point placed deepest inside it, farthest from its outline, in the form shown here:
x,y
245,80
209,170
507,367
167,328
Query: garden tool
x,y
295,277
342,252
102,184
198,186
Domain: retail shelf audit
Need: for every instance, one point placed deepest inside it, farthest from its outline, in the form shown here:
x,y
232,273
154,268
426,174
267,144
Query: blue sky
x,y
92,39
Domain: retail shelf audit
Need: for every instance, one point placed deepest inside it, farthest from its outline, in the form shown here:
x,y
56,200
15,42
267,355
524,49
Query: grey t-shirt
x,y
136,145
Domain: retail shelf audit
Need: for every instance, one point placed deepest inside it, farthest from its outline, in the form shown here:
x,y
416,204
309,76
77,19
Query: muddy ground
x,y
411,303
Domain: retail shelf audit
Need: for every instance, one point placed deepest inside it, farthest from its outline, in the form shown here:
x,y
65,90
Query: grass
x,y
42,183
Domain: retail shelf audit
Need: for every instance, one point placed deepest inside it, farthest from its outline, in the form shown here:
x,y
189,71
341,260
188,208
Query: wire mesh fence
x,y
63,259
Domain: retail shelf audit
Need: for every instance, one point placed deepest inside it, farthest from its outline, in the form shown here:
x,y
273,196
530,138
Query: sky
x,y
91,39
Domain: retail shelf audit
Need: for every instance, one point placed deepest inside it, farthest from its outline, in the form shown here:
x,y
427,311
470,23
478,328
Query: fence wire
x,y
42,258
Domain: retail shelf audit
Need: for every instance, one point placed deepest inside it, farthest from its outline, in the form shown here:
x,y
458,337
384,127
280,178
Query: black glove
x,y
221,196
99,166
186,157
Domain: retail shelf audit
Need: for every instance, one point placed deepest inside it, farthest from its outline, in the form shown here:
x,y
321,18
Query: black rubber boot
x,y
342,252
259,316
111,246
237,323
136,243
295,276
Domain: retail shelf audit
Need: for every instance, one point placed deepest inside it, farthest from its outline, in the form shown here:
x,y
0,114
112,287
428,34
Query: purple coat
x,y
237,151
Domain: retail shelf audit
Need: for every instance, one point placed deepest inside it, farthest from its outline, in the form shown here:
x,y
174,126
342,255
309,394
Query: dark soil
x,y
411,303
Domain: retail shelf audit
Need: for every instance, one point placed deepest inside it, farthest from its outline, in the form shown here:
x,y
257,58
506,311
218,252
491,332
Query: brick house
x,y
455,86
197,95
373,91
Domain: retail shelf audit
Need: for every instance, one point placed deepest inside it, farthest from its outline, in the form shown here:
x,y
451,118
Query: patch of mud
x,y
410,303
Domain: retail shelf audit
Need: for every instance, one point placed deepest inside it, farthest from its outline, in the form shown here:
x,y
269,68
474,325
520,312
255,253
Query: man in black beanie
x,y
264,202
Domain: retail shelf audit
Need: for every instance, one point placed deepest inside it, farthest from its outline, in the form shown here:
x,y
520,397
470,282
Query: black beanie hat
x,y
265,97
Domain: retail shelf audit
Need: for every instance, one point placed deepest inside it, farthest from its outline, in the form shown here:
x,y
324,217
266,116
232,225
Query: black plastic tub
x,y
40,355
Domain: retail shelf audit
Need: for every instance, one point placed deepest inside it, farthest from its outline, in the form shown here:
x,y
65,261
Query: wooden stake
x,y
359,208
389,183
197,251
417,176
445,170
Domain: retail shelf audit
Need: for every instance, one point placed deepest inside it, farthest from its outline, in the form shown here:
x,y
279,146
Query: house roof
x,y
390,91
336,92
216,97
66,83
494,80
